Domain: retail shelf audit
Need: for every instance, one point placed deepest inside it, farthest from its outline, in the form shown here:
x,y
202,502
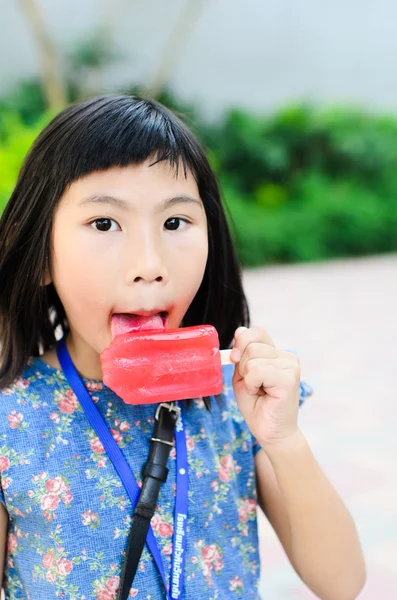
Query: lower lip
x,y
122,324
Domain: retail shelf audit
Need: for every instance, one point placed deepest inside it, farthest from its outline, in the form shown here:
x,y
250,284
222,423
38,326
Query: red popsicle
x,y
150,366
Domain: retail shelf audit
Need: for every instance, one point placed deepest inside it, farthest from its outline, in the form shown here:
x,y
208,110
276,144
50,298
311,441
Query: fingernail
x,y
239,330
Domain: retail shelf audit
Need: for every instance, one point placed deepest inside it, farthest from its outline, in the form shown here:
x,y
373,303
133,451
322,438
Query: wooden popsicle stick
x,y
225,357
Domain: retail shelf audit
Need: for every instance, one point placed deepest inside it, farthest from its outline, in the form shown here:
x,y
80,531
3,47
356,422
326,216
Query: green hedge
x,y
15,140
302,184
306,184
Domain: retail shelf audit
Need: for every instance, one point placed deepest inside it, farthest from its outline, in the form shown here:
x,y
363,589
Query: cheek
x,y
189,265
80,276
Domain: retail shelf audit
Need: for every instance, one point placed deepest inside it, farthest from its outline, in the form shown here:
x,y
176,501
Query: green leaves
x,y
15,142
306,184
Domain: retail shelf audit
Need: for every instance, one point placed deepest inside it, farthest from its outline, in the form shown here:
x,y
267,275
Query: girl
x,y
116,217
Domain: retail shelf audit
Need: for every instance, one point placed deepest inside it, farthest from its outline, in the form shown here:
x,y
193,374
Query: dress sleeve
x,y
2,498
305,392
255,446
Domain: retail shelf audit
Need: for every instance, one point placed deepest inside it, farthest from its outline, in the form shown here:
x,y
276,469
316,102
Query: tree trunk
x,y
174,43
50,71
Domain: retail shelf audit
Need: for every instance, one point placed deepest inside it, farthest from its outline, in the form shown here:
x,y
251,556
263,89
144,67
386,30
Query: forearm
x,y
324,543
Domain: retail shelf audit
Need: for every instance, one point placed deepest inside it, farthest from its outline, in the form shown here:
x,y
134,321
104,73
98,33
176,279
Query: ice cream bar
x,y
146,367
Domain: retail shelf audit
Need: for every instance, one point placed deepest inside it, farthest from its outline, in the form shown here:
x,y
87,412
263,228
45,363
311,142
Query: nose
x,y
146,261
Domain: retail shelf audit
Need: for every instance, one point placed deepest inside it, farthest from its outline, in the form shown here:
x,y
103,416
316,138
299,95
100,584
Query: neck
x,y
85,359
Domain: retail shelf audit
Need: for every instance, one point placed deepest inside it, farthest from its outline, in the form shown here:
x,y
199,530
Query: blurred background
x,y
296,104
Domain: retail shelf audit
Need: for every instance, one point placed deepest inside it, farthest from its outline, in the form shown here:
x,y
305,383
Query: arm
x,y
309,517
3,539
313,525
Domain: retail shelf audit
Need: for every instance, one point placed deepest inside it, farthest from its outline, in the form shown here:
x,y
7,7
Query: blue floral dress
x,y
70,514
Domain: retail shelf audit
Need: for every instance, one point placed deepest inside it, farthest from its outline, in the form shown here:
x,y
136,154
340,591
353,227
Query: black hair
x,y
94,136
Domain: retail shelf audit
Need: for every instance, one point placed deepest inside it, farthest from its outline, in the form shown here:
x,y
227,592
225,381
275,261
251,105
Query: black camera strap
x,y
155,473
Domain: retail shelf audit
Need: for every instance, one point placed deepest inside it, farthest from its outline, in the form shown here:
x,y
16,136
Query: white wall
x,y
252,53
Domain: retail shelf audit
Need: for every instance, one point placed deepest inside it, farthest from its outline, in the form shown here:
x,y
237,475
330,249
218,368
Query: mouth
x,y
123,323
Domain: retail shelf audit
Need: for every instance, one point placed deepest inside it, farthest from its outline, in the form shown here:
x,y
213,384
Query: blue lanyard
x,y
120,464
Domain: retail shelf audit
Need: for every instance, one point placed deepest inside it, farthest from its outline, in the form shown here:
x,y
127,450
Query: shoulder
x,y
228,399
225,412
36,381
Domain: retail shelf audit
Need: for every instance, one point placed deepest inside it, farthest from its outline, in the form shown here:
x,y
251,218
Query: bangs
x,y
117,132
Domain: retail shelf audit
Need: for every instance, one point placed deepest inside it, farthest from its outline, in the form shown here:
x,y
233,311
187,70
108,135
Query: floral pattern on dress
x,y
70,515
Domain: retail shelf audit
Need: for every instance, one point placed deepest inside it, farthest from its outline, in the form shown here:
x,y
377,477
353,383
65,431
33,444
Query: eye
x,y
175,223
105,225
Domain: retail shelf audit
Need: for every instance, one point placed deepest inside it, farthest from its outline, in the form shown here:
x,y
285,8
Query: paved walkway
x,y
341,319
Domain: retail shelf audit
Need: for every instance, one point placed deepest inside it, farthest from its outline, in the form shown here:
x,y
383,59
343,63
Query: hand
x,y
266,384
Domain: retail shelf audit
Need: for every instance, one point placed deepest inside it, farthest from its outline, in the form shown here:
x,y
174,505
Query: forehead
x,y
142,184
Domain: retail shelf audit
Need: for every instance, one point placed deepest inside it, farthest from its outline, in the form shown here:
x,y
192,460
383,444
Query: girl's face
x,y
129,240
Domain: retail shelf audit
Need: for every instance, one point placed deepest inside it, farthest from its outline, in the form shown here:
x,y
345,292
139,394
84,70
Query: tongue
x,y
122,324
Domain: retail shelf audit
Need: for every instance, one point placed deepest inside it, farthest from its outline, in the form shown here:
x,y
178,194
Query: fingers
x,y
256,350
261,376
260,363
244,336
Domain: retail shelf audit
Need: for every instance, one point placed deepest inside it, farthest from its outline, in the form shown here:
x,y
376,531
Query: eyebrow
x,y
160,207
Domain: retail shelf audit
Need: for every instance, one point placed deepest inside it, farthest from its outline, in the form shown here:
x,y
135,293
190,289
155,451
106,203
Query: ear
x,y
47,279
